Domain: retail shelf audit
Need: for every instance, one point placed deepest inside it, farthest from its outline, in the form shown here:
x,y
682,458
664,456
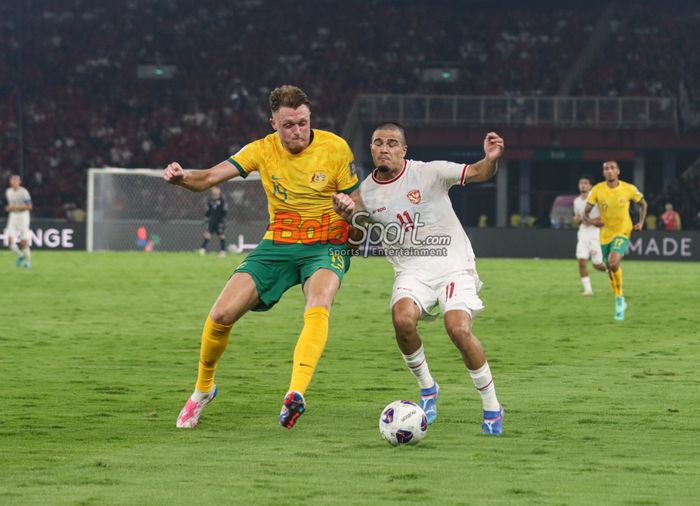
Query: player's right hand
x,y
343,205
173,173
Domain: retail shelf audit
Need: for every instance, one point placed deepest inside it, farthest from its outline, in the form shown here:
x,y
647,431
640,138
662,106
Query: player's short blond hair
x,y
288,96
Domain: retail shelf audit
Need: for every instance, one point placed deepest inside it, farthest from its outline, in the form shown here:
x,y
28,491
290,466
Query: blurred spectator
x,y
671,219
84,106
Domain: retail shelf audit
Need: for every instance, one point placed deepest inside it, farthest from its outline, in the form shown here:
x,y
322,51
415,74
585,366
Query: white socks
x,y
419,367
16,249
483,381
27,254
586,284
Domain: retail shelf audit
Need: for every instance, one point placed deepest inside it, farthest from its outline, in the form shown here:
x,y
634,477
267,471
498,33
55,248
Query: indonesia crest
x,y
414,196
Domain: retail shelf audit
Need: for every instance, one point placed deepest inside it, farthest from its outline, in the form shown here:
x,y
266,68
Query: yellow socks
x,y
214,341
309,348
616,281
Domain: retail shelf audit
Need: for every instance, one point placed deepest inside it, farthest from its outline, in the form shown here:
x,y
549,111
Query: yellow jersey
x,y
614,206
299,186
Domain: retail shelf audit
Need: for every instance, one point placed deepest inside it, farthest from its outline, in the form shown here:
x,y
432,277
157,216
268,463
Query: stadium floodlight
x,y
135,209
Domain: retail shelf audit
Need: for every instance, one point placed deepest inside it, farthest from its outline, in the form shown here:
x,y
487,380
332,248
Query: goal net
x,y
134,209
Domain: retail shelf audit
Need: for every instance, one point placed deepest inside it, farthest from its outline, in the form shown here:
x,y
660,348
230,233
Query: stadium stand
x,y
202,91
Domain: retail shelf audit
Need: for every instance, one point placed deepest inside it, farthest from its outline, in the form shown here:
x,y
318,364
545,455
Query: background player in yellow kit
x,y
613,198
300,170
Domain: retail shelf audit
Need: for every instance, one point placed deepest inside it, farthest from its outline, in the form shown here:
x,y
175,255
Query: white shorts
x,y
458,291
18,226
589,248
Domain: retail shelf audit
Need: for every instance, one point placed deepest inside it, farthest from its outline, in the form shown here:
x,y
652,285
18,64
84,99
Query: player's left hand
x,y
493,146
343,205
638,226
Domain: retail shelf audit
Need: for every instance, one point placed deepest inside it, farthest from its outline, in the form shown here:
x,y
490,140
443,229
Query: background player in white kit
x,y
588,237
19,203
413,196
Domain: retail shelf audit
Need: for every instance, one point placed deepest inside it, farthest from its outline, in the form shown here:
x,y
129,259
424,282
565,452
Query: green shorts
x,y
618,245
276,268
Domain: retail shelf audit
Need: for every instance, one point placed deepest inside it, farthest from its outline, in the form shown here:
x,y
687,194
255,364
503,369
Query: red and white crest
x,y
414,196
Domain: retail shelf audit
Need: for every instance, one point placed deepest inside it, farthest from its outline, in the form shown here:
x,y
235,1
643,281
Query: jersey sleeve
x,y
593,196
27,197
635,194
448,174
347,180
247,158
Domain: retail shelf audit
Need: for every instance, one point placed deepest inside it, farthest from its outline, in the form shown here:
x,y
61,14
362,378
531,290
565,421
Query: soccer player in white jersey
x,y
433,260
588,243
19,203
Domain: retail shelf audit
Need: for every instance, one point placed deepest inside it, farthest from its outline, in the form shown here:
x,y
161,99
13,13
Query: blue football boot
x,y
620,306
493,422
428,402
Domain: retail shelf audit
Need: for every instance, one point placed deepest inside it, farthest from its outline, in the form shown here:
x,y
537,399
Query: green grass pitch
x,y
98,353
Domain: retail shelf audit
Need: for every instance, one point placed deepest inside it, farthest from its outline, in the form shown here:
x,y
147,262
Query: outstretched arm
x,y
199,180
642,214
484,169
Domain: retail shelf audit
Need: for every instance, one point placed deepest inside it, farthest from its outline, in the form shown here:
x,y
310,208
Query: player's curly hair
x,y
288,96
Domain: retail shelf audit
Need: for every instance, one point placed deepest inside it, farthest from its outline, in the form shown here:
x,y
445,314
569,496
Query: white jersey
x,y
586,232
18,221
18,197
422,233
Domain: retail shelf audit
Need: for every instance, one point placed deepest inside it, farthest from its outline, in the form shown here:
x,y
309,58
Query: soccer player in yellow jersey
x,y
613,198
301,169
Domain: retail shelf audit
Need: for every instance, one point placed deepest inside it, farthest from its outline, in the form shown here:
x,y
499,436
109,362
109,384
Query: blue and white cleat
x,y
620,306
293,407
428,401
27,265
19,261
493,422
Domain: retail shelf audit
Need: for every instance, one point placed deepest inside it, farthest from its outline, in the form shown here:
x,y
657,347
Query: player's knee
x,y
222,317
460,333
404,324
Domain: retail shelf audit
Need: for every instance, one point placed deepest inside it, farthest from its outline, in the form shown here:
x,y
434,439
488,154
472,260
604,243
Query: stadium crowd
x,y
73,68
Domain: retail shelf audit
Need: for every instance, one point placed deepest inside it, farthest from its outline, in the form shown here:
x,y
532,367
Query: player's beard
x,y
383,169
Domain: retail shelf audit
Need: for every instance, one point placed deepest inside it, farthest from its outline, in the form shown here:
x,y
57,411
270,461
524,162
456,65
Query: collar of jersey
x,y
395,178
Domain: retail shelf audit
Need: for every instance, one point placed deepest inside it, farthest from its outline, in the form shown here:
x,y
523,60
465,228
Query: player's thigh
x,y
460,292
582,250
273,270
458,323
619,245
18,227
405,314
321,269
320,288
239,296
596,252
407,286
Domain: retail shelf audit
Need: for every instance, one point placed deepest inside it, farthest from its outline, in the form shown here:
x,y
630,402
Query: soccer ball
x,y
403,423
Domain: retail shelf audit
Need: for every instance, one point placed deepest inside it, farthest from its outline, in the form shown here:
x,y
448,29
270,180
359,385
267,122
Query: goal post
x,y
134,209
